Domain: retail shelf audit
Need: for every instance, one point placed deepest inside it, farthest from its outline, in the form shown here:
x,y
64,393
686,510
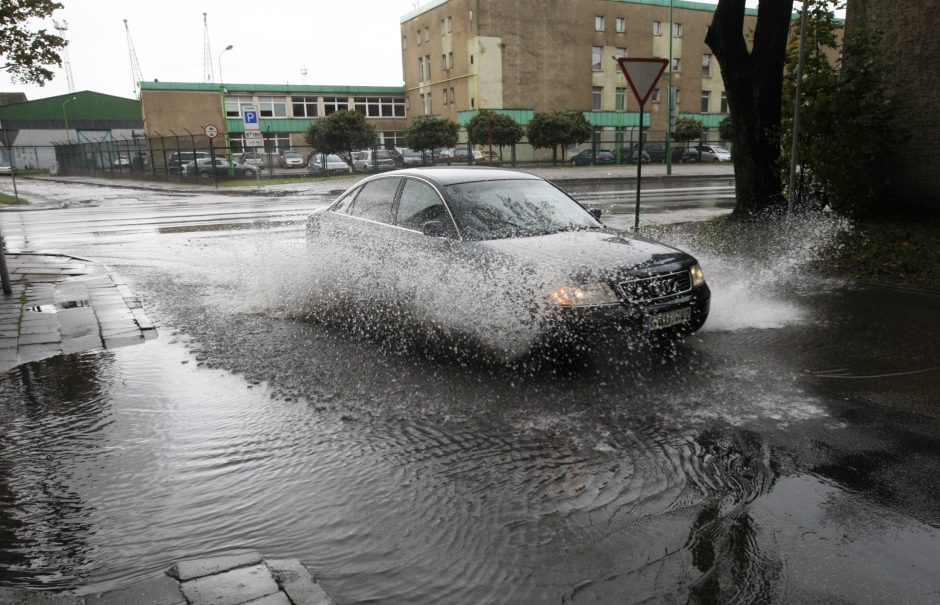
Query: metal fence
x,y
172,157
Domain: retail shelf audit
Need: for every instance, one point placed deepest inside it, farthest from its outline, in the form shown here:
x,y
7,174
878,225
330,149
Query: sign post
x,y
7,137
642,75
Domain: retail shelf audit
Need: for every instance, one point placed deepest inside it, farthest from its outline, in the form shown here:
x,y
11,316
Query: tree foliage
x,y
688,129
427,133
505,130
26,54
845,127
341,131
753,78
726,129
548,130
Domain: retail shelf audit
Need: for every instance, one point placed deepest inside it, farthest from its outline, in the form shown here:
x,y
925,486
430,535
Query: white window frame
x,y
706,65
272,107
597,60
597,98
599,23
676,30
657,28
706,101
306,102
334,104
620,25
234,105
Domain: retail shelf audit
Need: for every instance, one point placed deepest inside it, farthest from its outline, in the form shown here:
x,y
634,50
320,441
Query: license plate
x,y
669,318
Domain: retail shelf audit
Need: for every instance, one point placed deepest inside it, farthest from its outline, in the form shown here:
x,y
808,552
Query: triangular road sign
x,y
642,75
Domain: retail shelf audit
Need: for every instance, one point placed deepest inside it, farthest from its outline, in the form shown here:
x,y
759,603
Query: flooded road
x,y
786,453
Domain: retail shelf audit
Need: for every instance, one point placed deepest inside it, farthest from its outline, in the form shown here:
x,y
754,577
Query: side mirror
x,y
595,212
434,229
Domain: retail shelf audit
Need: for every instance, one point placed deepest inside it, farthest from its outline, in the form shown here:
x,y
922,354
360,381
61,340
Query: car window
x,y
487,210
374,200
419,204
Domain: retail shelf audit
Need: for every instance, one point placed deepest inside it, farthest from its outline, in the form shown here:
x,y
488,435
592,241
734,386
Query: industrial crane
x,y
135,66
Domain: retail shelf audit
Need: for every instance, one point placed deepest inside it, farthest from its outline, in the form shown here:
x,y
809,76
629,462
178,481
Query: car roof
x,y
444,176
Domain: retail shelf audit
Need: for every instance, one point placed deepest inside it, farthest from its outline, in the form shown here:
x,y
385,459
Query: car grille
x,y
656,287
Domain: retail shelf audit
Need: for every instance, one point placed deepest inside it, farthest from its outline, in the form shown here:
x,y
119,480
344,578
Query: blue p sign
x,y
251,117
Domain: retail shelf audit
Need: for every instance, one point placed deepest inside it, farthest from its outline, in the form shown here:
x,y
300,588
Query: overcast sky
x,y
347,42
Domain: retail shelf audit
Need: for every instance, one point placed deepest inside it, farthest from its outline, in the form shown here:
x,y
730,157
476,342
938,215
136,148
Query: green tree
x,y
688,129
341,132
427,133
726,129
845,114
504,130
25,54
753,76
551,129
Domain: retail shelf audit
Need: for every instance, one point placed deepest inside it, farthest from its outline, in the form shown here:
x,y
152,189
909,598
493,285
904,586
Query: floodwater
x,y
786,453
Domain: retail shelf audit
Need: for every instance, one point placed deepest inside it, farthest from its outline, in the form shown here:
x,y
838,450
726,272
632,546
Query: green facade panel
x,y
84,105
271,125
617,119
521,116
708,120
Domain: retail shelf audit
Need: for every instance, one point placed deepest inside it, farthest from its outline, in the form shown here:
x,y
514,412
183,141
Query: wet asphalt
x,y
786,453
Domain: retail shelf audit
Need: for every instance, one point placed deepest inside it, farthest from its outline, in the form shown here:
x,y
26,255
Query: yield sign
x,y
642,74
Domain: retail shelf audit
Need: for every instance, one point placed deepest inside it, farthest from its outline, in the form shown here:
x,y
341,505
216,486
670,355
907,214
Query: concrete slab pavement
x,y
65,305
244,578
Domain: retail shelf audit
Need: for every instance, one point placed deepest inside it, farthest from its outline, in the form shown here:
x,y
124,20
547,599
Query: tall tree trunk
x,y
754,84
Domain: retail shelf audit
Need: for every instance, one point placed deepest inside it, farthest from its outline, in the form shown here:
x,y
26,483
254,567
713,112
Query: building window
x,y
380,107
621,24
390,139
599,23
676,64
443,62
724,102
450,60
620,103
418,37
444,98
450,24
276,141
332,104
596,52
706,97
677,97
233,106
706,66
304,107
596,95
423,106
676,30
427,100
453,98
655,97
427,34
657,28
272,107
404,41
443,27
427,67
620,53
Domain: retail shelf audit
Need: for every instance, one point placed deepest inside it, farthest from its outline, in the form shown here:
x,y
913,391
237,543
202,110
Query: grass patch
x,y
9,200
894,252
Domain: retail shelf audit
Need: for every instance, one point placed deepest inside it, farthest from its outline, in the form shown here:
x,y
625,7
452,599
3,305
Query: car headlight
x,y
698,276
584,295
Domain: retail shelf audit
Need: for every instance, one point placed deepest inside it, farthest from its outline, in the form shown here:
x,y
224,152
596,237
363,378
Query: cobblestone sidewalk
x,y
64,305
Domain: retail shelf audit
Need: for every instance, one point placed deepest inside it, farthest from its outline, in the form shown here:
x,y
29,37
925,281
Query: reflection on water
x,y
124,462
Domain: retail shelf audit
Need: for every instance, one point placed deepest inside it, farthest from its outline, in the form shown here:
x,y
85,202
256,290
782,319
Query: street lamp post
x,y
65,117
228,142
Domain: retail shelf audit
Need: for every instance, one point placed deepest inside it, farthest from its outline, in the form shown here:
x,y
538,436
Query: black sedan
x,y
588,156
508,254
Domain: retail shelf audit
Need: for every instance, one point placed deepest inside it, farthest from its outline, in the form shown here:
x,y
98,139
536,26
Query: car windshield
x,y
291,154
486,210
720,149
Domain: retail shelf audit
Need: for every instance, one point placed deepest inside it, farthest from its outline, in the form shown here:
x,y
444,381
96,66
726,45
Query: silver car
x,y
334,165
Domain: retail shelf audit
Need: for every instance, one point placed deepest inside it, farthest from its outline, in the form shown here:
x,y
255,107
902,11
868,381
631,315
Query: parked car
x,y
176,159
290,159
120,161
252,157
589,156
6,168
484,157
334,165
628,155
713,153
203,168
657,150
583,281
370,160
411,158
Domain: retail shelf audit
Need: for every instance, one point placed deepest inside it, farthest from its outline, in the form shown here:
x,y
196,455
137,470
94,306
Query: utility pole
x,y
670,118
797,101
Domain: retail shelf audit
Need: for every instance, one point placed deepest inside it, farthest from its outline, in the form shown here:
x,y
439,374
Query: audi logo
x,y
665,287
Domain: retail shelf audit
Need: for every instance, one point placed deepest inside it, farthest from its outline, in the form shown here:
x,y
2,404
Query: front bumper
x,y
612,322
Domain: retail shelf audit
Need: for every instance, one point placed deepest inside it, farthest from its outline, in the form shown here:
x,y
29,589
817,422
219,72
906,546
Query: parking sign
x,y
250,117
